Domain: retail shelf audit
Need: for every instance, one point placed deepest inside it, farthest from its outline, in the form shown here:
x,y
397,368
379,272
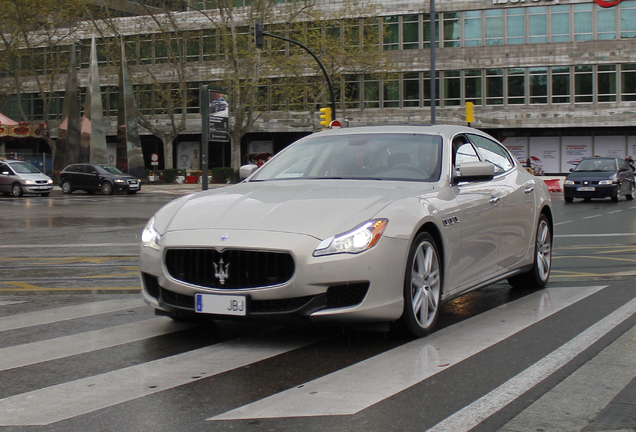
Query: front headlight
x,y
359,239
120,181
569,182
29,182
150,237
49,181
605,182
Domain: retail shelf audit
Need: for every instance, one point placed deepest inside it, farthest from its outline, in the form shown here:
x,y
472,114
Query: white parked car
x,y
370,224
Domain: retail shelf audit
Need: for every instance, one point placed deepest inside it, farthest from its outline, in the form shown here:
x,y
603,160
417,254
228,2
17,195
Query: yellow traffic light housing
x,y
325,116
470,112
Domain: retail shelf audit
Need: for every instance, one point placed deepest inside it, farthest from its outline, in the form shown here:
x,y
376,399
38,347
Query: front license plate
x,y
220,304
585,189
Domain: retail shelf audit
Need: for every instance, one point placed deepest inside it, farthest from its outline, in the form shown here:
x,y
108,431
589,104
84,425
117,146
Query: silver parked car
x,y
358,224
19,177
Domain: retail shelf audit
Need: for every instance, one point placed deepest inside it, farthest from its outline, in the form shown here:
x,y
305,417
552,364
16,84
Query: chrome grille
x,y
232,269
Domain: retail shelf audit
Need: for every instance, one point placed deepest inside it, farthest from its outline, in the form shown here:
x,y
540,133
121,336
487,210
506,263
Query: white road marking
x,y
51,349
473,414
7,303
66,313
592,217
350,390
68,400
563,223
615,211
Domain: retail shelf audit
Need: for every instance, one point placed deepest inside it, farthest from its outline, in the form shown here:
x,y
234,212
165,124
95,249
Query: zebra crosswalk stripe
x,y
31,319
350,390
51,349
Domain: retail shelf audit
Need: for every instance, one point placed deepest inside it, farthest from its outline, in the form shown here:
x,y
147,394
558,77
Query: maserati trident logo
x,y
221,271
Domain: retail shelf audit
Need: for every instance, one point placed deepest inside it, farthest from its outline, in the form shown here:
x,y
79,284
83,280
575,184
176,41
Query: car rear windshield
x,y
410,157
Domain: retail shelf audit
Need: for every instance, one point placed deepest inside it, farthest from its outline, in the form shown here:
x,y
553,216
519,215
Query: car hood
x,y
34,176
319,208
591,175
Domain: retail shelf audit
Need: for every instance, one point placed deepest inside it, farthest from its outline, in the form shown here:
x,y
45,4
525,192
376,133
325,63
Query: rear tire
x,y
422,287
538,276
66,187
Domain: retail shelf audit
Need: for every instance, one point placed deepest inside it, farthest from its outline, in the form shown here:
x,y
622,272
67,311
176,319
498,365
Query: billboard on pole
x,y
219,111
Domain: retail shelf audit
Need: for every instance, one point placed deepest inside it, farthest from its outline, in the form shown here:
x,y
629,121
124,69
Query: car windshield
x,y
411,157
598,165
109,169
24,168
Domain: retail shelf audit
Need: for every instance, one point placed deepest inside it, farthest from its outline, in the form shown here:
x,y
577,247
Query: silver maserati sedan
x,y
369,224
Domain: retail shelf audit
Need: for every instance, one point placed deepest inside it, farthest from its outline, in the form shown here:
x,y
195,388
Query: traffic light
x,y
470,112
259,39
325,117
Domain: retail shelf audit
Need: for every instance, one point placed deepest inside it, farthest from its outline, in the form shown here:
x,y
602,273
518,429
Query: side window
x,y
3,168
492,152
463,151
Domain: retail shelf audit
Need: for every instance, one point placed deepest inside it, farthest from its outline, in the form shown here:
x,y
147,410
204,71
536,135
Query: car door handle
x,y
494,200
529,190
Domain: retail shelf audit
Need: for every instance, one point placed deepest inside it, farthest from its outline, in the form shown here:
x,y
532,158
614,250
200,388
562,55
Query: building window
x,y
411,89
606,83
516,86
516,21
411,32
561,84
583,29
426,36
494,87
472,28
371,92
538,24
452,30
539,85
427,88
606,23
560,23
452,88
628,19
628,80
583,84
494,27
391,94
472,86
352,91
145,49
391,29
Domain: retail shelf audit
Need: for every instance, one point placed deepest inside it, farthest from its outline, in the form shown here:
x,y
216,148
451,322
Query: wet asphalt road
x,y
65,347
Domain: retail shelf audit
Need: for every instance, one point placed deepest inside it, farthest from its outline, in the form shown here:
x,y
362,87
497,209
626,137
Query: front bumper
x,y
37,189
599,191
344,287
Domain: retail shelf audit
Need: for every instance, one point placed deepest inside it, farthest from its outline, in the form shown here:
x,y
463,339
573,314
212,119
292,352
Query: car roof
x,y
442,130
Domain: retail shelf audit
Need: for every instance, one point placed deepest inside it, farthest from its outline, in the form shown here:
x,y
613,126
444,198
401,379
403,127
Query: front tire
x,y
16,190
568,199
422,287
107,188
538,276
615,196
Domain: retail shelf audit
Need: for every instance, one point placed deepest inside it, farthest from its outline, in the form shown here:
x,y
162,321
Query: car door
x,y
478,207
91,177
625,177
516,212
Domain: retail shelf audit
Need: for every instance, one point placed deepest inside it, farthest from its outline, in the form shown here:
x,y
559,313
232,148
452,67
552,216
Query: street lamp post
x,y
433,77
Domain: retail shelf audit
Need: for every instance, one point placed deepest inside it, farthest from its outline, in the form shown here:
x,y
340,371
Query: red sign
x,y
606,4
154,157
335,124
